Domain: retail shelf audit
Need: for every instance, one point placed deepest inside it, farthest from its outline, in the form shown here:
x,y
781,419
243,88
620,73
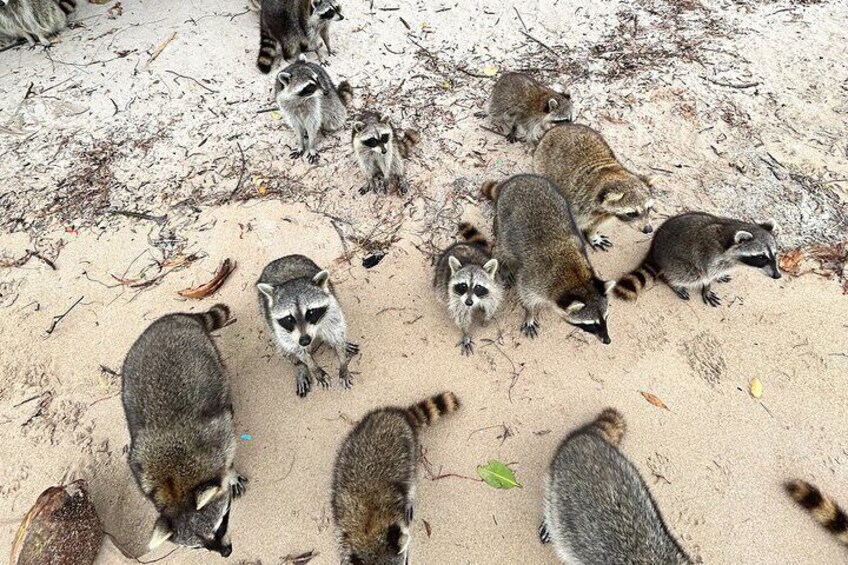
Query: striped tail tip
x,y
215,318
412,136
426,412
490,190
611,425
68,6
345,92
824,510
471,234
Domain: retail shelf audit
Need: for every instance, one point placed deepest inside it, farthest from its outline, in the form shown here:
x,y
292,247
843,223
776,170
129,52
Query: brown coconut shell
x,y
62,528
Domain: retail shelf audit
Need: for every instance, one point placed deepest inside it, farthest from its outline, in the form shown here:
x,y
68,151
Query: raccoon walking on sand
x,y
466,278
179,411
824,510
544,254
36,21
300,307
693,250
310,103
598,509
380,150
597,187
297,26
525,109
374,482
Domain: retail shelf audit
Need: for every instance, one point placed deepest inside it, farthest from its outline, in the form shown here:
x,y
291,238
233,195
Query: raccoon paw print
x,y
724,279
239,486
711,298
303,382
297,154
600,242
681,292
544,534
352,348
345,380
312,157
323,378
530,329
466,346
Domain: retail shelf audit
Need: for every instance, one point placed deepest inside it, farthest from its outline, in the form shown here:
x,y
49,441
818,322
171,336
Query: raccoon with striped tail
x,y
824,510
696,249
380,150
541,251
374,480
466,278
179,410
597,508
35,21
296,26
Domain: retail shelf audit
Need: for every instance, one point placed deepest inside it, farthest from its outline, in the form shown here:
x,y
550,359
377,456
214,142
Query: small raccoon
x,y
374,482
596,186
297,26
695,249
525,109
824,510
180,416
300,307
380,150
544,254
466,279
36,21
311,103
598,509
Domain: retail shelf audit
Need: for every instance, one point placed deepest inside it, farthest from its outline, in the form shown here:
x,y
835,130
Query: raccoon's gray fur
x,y
541,250
824,510
300,307
466,278
525,109
374,482
36,21
311,103
176,397
297,26
693,250
598,509
596,186
380,150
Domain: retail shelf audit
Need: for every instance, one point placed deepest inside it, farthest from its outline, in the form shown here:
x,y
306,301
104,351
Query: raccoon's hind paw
x,y
323,378
345,379
530,329
711,298
351,348
681,292
600,242
239,485
724,279
466,346
544,534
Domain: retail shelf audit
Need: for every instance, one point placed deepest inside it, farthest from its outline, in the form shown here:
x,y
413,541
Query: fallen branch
x,y
204,290
60,317
159,50
731,85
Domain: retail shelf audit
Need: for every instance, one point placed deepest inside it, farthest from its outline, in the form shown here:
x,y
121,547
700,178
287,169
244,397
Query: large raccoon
x,y
693,250
526,109
176,397
596,186
544,254
36,21
374,482
598,509
380,150
297,26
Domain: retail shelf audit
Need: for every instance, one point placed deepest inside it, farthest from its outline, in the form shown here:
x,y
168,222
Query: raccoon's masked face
x,y
298,316
206,527
756,246
629,200
472,286
557,109
589,313
327,10
297,83
373,136
393,549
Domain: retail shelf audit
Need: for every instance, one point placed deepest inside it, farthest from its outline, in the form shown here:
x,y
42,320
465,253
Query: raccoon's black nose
x,y
304,340
341,16
469,302
776,274
226,550
648,228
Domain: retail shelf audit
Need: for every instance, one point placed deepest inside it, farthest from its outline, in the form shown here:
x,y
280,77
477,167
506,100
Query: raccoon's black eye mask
x,y
757,260
314,315
371,142
287,323
480,291
328,14
308,90
460,288
633,215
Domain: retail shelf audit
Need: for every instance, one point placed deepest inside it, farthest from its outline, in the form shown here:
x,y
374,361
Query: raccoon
x,y
35,21
311,103
598,509
300,307
824,510
380,150
180,416
466,277
374,482
596,186
544,255
297,26
525,109
695,249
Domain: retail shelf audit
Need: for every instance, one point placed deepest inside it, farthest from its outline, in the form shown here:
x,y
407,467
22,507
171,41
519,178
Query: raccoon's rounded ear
x,y
558,88
384,118
575,306
358,126
650,180
771,225
553,104
322,279
205,495
316,3
608,286
283,77
161,532
301,58
491,267
611,195
398,538
742,236
454,263
267,290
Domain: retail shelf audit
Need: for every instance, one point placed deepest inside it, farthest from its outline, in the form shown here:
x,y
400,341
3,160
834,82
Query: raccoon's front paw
x,y
297,154
600,242
239,485
544,534
365,189
304,383
345,379
530,329
351,348
511,137
323,378
402,185
711,298
312,156
681,292
466,346
725,279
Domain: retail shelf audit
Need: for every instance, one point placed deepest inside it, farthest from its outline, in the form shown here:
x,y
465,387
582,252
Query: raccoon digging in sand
x,y
693,250
36,21
596,186
311,103
300,307
466,280
525,109
824,510
543,253
297,26
598,509
380,150
374,482
179,412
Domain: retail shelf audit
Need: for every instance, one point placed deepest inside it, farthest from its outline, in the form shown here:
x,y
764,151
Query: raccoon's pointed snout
x,y
648,228
226,550
775,273
304,340
469,301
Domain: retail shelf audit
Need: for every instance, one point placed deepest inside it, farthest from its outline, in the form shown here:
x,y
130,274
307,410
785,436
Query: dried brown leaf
x,y
653,399
209,288
790,262
301,559
427,528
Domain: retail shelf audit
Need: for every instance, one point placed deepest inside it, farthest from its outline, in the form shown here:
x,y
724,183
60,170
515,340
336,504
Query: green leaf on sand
x,y
498,475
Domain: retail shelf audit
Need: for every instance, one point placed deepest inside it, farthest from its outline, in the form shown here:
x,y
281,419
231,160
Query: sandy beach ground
x,y
154,107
